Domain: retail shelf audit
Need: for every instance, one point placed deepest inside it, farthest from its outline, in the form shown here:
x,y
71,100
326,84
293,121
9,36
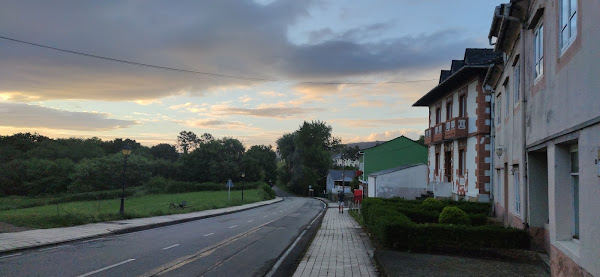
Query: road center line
x,y
209,234
265,216
251,220
169,247
105,268
232,226
13,255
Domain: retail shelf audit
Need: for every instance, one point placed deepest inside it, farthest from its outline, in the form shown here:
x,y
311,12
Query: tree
x,y
215,161
307,154
164,151
187,141
260,164
421,139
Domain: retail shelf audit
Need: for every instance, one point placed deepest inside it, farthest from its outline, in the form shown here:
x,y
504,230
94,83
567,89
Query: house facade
x,y
407,181
547,127
396,152
458,137
339,180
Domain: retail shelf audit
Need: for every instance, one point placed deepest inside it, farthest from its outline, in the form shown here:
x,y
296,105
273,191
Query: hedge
x,y
408,225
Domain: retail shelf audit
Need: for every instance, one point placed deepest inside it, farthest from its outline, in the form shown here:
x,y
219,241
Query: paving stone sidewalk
x,y
340,248
41,237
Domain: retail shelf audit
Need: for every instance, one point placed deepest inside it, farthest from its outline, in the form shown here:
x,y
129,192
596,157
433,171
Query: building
x,y
339,179
547,133
407,181
458,136
345,162
397,152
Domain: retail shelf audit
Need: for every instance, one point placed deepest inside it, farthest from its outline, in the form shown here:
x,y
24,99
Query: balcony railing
x,y
456,128
438,133
428,135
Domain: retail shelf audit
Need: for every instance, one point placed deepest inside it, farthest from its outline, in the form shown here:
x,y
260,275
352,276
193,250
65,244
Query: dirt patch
x,y
9,228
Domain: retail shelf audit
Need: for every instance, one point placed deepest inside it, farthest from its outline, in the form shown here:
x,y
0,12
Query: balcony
x,y
428,136
456,128
438,133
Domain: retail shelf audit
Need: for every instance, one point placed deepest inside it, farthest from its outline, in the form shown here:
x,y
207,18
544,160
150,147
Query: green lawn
x,y
82,212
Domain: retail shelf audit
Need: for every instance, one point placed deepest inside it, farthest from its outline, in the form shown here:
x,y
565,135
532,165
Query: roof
x,y
400,137
337,174
390,170
476,61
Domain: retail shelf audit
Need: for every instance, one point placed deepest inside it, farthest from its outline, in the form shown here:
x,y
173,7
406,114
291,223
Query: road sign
x,y
310,186
229,186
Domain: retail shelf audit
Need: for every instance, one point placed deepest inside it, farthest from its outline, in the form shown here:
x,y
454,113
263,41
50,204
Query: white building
x,y
407,181
547,133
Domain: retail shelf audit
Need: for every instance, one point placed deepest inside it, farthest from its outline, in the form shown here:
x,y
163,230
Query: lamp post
x,y
243,175
126,151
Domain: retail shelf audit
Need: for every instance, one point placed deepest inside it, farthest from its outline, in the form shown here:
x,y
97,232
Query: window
x,y
448,110
517,189
499,108
568,22
461,162
538,51
437,163
575,189
517,83
462,106
438,115
507,100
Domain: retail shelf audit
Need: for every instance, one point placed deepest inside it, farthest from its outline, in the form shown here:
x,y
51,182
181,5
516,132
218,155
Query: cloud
x,y
385,136
34,116
272,94
269,111
225,37
214,124
371,123
245,99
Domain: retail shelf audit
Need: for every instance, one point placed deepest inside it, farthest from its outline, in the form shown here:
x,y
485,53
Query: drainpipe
x,y
523,122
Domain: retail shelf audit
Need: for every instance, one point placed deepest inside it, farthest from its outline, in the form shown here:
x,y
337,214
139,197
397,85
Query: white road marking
x,y
250,220
13,255
169,247
265,216
274,213
232,226
105,268
209,234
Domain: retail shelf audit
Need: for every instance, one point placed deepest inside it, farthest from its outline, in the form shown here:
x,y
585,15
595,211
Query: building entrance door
x,y
448,166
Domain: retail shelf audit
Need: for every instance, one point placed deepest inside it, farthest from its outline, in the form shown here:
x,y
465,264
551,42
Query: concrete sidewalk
x,y
10,242
340,248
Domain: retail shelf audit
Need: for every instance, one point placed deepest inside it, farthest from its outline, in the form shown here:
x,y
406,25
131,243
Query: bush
x,y
454,215
156,185
419,215
267,192
478,219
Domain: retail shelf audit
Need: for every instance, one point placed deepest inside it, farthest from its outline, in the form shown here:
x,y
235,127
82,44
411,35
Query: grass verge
x,y
83,212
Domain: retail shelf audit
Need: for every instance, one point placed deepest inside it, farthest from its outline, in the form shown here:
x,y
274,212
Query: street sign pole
x,y
229,185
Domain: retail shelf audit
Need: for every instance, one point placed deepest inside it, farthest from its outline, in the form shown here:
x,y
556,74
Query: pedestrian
x,y
341,201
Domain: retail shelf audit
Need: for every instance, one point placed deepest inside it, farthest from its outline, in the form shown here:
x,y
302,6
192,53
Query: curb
x,y
139,228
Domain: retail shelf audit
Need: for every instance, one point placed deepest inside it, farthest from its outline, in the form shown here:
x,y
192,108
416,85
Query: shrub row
x,y
161,185
404,225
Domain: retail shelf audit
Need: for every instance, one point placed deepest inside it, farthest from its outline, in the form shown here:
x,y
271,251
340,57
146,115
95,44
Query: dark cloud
x,y
229,37
273,112
34,116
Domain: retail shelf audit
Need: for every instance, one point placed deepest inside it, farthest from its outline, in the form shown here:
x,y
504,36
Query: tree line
x,y
32,164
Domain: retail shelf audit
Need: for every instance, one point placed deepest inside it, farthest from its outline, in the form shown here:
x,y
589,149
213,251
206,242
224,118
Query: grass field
x,y
82,212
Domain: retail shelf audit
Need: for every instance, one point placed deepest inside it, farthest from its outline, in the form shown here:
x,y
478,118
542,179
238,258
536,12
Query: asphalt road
x,y
246,243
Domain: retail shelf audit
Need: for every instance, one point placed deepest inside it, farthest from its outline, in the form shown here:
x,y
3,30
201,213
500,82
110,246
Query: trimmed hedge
x,y
412,225
162,185
454,215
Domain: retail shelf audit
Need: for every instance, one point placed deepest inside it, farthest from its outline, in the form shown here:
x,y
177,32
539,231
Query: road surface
x,y
246,243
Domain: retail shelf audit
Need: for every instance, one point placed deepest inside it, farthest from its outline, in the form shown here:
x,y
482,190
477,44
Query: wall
x,y
563,106
397,152
408,183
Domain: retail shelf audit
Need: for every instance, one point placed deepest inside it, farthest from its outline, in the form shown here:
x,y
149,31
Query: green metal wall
x,y
397,152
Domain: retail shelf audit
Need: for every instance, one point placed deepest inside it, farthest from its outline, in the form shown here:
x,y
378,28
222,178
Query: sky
x,y
271,66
